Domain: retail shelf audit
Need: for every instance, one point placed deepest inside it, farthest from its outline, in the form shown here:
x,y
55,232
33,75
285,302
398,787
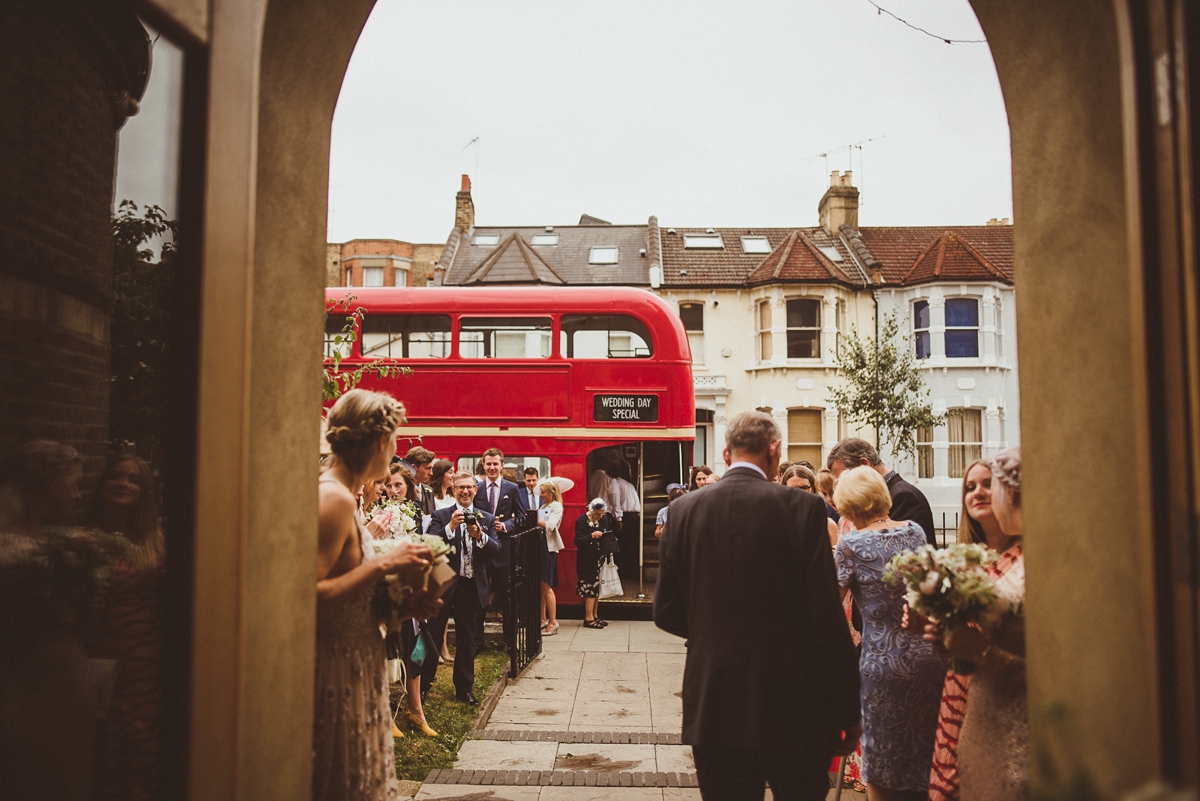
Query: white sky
x,y
702,113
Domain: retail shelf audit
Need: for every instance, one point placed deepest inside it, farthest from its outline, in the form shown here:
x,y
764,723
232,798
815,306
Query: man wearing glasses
x,y
471,532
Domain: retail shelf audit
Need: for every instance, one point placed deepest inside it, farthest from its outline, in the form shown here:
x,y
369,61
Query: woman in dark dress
x,y
595,539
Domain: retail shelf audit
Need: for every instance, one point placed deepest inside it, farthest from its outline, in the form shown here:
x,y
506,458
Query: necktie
x,y
532,501
492,496
468,562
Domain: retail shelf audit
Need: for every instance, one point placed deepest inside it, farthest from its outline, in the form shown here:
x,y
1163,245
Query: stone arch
x,y
276,69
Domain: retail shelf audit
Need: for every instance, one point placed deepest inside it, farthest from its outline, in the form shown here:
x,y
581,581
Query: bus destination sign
x,y
626,409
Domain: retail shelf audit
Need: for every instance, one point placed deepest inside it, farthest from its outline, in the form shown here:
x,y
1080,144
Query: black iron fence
x,y
945,529
524,598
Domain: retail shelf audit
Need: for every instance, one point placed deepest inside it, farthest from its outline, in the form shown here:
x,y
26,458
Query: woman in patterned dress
x,y
977,524
352,737
901,674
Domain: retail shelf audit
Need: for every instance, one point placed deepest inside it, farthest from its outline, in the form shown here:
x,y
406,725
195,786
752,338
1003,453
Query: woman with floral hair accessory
x,y
993,745
352,738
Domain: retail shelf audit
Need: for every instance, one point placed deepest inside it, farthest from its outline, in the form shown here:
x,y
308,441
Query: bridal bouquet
x,y
398,518
393,592
950,587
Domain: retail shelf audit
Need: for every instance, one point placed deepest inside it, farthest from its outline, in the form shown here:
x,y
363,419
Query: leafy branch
x,y
884,388
335,381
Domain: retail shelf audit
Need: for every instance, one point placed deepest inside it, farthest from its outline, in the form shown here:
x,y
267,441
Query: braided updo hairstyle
x,y
357,421
1006,469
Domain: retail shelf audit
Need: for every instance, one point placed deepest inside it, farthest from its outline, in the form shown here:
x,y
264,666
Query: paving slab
x,y
602,794
497,755
605,757
466,792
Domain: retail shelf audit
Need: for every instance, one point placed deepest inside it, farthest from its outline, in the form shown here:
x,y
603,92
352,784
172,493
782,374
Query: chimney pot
x,y
846,178
839,204
466,184
834,179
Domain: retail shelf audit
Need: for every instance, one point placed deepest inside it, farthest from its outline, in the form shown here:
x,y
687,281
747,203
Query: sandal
x,y
602,623
549,631
593,624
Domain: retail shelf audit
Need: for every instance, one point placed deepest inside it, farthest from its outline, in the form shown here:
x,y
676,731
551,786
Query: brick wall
x,y
66,77
394,256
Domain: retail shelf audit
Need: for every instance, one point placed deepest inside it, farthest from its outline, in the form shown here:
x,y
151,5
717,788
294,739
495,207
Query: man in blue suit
x,y
475,549
505,501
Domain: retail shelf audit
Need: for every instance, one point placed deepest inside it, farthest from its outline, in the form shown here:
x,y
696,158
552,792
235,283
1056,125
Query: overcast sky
x,y
702,113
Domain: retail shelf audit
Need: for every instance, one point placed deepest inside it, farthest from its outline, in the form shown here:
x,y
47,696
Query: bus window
x,y
406,336
504,338
604,336
333,329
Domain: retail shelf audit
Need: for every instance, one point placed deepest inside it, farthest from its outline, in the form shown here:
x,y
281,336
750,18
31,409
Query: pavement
x,y
597,716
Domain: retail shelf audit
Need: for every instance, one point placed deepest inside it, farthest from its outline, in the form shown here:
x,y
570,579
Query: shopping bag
x,y
610,580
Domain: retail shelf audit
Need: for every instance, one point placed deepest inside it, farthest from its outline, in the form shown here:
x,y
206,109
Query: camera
x,y
469,519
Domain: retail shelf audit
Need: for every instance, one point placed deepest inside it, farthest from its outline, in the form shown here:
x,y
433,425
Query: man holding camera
x,y
471,533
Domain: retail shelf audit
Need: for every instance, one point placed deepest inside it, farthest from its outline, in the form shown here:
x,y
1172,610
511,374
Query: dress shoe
x,y
469,698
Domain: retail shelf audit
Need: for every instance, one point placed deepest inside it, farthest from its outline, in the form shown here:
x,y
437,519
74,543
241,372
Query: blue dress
x,y
901,675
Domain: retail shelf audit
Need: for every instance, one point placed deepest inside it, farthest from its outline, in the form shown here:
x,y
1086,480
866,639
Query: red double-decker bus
x,y
571,381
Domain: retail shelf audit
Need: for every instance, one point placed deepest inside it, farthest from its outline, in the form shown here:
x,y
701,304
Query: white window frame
x,y
486,240
926,330
703,242
553,240
756,239
976,328
817,328
764,334
594,257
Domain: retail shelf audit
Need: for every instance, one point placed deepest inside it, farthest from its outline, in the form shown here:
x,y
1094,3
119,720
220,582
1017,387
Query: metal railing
x,y
524,598
945,531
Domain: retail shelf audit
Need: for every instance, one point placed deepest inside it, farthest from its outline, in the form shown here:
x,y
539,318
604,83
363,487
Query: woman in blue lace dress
x,y
901,675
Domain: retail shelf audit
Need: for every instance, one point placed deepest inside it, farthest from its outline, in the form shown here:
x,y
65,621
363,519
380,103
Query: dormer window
x,y
755,244
544,240
703,242
486,240
604,255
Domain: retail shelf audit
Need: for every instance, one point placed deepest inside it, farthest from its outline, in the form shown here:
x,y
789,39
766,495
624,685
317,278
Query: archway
x,y
1075,77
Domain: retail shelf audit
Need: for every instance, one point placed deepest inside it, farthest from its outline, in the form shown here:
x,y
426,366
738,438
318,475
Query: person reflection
x,y
130,632
47,581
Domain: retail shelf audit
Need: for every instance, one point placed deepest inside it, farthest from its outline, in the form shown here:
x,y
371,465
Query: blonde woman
x,y
550,516
352,727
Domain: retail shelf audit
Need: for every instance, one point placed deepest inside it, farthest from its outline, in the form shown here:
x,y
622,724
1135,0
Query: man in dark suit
x,y
747,576
533,499
475,548
503,499
908,502
421,460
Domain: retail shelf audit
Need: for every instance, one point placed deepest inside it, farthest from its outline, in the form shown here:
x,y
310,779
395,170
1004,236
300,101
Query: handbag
x,y
610,580
420,649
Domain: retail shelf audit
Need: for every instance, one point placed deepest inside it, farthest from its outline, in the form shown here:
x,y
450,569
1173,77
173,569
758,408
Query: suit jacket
x,y
747,575
532,504
510,507
909,503
483,553
425,502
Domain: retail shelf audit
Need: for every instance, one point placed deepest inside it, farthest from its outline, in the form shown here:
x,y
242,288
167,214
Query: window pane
x,y
962,343
333,329
692,315
966,439
372,276
486,239
603,255
505,338
803,313
406,336
755,244
924,452
962,313
702,241
764,316
921,314
765,349
803,344
696,343
544,239
804,426
922,344
605,336
806,453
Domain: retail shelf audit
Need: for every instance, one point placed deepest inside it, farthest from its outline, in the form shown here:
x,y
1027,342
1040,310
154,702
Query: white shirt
x,y
468,540
751,465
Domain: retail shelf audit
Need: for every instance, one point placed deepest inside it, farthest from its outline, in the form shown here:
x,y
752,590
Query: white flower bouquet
x,y
393,592
950,586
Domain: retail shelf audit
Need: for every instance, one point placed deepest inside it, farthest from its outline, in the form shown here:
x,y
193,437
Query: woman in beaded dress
x,y
352,730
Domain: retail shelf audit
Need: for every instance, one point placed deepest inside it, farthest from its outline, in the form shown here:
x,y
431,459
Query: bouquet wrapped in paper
x,y
393,592
951,586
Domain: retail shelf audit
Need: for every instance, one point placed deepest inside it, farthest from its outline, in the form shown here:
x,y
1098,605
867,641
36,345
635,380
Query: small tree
x,y
335,382
884,388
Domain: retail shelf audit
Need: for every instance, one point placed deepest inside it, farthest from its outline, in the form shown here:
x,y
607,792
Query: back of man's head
x,y
751,434
851,452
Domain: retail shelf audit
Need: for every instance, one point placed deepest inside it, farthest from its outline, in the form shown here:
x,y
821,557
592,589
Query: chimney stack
x,y
839,204
464,207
